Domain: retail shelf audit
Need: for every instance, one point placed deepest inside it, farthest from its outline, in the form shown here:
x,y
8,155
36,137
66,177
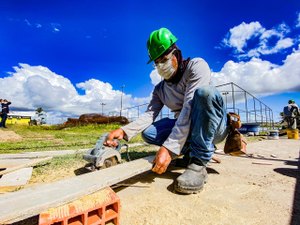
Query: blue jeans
x,y
3,120
208,125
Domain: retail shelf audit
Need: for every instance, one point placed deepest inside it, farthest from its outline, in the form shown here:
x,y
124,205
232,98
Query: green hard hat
x,y
159,42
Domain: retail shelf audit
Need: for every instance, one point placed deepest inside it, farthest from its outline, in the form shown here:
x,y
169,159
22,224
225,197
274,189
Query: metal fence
x,y
132,113
250,108
236,99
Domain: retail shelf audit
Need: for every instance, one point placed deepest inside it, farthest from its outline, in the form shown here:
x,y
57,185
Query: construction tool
x,y
101,156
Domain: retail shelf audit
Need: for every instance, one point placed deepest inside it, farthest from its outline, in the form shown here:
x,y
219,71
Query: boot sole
x,y
183,190
188,190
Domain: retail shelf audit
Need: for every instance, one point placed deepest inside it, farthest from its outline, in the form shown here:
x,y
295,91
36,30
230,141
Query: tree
x,y
41,115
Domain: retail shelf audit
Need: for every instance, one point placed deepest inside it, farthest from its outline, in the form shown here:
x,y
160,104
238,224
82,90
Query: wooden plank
x,y
32,155
13,180
27,164
29,202
8,163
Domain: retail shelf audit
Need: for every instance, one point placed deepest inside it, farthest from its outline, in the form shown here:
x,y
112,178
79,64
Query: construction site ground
x,y
262,188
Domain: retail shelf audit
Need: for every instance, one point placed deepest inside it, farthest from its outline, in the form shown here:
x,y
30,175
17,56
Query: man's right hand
x,y
162,160
115,134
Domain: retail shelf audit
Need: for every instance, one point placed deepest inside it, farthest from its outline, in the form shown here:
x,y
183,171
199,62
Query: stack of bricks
x,y
99,208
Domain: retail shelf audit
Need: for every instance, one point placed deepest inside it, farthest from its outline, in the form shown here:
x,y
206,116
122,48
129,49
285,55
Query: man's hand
x,y
162,160
115,134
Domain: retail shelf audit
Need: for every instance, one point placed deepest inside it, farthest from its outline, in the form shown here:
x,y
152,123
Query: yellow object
x,y
293,133
16,119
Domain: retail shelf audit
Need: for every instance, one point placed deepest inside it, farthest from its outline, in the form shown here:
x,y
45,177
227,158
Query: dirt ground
x,y
9,136
263,188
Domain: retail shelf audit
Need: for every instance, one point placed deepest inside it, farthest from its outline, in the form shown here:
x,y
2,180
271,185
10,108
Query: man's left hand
x,y
162,160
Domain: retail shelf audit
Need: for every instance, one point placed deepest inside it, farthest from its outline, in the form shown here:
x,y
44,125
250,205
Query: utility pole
x,y
102,104
122,87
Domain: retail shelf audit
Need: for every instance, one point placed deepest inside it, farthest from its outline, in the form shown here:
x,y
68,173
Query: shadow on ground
x,y
149,177
295,173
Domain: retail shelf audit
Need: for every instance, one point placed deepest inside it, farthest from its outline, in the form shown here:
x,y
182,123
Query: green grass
x,y
58,168
58,162
62,167
45,138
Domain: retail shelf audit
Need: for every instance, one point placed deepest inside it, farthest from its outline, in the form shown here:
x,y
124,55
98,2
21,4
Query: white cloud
x,y
262,77
239,35
30,87
27,22
36,25
268,41
278,33
283,29
284,43
298,20
55,27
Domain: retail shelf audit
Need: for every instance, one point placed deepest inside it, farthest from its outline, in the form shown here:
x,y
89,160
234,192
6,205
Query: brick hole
x,y
111,211
57,223
111,222
94,216
77,220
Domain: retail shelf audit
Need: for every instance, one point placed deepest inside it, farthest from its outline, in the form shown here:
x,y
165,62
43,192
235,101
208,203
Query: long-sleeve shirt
x,y
5,108
177,97
291,110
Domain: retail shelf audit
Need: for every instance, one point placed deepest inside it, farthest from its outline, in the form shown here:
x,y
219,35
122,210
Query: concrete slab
x,y
15,179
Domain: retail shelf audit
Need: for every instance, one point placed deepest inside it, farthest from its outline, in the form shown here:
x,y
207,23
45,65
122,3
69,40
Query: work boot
x,y
192,180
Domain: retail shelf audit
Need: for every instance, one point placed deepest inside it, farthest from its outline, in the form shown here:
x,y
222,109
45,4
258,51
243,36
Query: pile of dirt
x,y
9,136
95,118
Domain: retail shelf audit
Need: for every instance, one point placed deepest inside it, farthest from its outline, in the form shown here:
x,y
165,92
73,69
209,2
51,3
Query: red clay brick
x,y
99,208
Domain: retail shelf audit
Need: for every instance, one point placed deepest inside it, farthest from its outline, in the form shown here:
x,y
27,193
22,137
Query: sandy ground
x,y
6,135
262,189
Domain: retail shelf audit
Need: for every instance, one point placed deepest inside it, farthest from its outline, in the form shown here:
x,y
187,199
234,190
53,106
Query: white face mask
x,y
166,69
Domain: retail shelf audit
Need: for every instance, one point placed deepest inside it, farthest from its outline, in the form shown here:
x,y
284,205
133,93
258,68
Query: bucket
x,y
293,133
249,127
273,135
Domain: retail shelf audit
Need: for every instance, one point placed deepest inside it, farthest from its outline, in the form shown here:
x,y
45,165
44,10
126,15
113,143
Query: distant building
x,y
18,119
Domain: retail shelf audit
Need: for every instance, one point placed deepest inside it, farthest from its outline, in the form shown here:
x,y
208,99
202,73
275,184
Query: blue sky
x,y
69,56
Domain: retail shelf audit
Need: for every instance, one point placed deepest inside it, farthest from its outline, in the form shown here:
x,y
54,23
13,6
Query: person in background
x,y
291,112
200,115
5,110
